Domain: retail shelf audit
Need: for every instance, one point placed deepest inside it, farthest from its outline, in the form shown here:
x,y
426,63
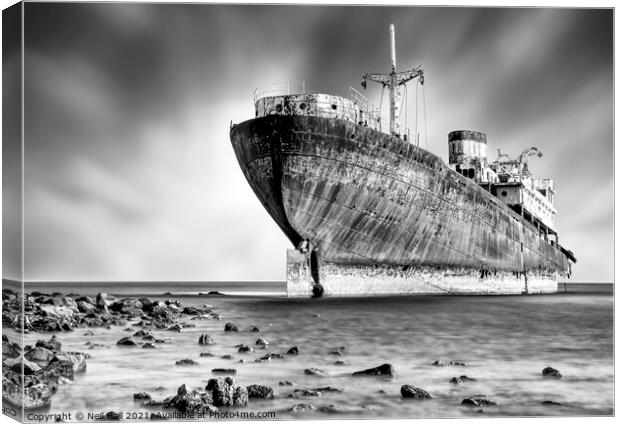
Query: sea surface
x,y
505,342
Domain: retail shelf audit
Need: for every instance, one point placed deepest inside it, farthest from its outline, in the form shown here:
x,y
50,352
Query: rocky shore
x,y
47,366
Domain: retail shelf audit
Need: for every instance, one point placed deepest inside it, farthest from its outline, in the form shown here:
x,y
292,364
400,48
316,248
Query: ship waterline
x,y
383,216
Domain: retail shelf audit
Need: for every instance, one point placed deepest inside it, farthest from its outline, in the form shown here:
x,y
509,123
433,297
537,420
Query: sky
x,y
129,170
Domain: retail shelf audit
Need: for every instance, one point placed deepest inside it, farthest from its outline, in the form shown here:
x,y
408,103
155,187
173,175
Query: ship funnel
x,y
467,147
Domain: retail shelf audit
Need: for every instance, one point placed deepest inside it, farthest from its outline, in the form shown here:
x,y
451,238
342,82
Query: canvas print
x,y
283,212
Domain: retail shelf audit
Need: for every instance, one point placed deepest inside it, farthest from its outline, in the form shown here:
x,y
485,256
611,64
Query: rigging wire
x,y
381,109
425,122
416,112
404,102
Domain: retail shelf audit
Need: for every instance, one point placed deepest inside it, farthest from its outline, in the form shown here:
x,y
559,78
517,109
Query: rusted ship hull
x,y
385,216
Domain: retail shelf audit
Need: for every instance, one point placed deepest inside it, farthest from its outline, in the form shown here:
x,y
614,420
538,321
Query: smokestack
x,y
393,46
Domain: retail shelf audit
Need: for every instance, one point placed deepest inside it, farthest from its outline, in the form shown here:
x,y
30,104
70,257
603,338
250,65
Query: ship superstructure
x,y
370,212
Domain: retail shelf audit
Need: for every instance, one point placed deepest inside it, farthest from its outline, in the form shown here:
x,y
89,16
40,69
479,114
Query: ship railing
x,y
281,89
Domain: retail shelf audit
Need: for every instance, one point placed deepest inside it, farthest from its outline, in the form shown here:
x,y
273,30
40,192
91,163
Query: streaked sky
x,y
129,170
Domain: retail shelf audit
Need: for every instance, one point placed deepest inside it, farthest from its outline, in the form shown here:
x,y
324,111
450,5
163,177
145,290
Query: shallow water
x,y
505,341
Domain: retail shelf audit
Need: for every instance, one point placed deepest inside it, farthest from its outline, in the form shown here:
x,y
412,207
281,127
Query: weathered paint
x,y
367,199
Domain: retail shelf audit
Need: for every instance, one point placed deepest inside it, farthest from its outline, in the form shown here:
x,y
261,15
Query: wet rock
x,y
10,349
245,349
141,333
305,393
35,396
102,301
411,392
141,396
205,339
549,372
256,391
176,328
315,371
227,357
206,354
52,344
166,340
127,341
146,303
40,355
343,409
269,357
302,407
88,333
190,401
224,371
262,342
86,307
551,403
293,351
339,363
16,365
148,346
229,326
478,401
226,393
76,359
186,362
255,329
286,383
383,370
439,363
335,352
331,389
192,310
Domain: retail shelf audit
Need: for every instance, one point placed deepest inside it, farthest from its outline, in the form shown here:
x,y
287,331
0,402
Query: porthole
x,y
352,136
302,106
504,193
334,107
384,145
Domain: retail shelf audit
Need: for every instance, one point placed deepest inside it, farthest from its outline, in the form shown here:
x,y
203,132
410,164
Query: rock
x,y
262,342
551,373
227,357
478,402
255,329
38,395
315,371
141,333
166,340
148,346
225,393
224,371
52,344
293,351
455,380
259,392
286,383
550,402
335,352
190,401
146,303
77,360
412,392
304,392
302,407
205,339
186,362
101,301
269,357
127,341
86,307
40,355
193,310
339,363
329,389
11,349
439,363
176,327
229,326
205,354
88,333
16,365
343,409
384,370
141,396
245,349
128,306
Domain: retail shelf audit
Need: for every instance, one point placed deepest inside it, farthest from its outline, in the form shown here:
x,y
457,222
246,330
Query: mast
x,y
393,81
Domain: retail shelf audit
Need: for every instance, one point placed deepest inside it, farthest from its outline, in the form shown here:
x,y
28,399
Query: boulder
x,y
10,349
227,357
293,351
225,393
229,326
141,333
190,401
302,407
86,307
245,349
315,371
186,362
286,383
203,354
17,363
304,392
262,342
411,392
127,341
141,396
339,363
35,396
176,327
224,371
148,346
256,391
102,301
40,355
549,372
383,370
551,402
52,344
255,329
205,339
478,401
335,352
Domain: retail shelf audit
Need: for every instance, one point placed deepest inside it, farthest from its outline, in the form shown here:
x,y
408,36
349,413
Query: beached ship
x,y
369,212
